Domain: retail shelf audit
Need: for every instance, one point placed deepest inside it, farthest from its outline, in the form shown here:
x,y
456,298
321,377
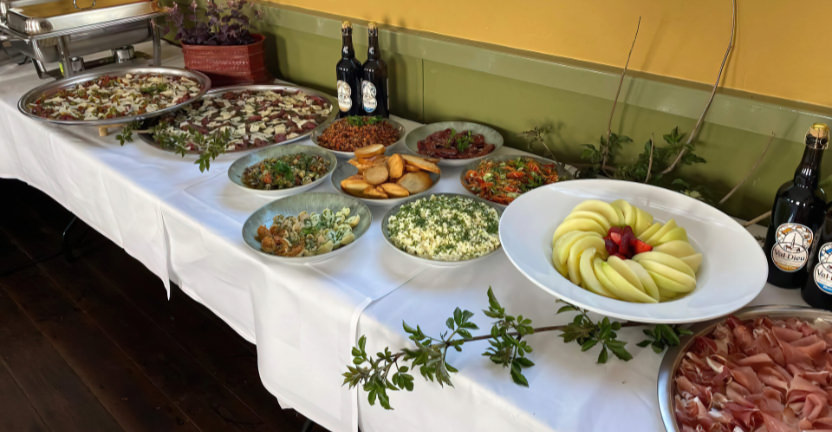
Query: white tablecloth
x,y
185,226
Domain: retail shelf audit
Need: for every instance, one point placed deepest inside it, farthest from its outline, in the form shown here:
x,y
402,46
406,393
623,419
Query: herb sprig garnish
x,y
364,121
507,348
210,145
154,88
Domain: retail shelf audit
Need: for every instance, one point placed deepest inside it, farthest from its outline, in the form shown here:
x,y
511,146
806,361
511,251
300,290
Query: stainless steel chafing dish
x,y
50,31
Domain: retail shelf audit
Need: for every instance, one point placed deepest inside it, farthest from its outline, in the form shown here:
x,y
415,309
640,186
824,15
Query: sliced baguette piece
x,y
354,186
395,166
394,190
415,182
369,151
422,163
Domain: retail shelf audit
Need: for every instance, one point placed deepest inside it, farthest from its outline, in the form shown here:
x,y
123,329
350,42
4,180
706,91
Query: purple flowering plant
x,y
216,24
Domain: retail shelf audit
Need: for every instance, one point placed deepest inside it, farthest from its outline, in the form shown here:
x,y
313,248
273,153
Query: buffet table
x,y
184,226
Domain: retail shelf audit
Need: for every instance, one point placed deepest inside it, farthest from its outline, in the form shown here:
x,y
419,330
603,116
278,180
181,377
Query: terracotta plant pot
x,y
229,64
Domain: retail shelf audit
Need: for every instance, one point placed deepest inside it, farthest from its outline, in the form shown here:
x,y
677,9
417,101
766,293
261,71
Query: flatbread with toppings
x,y
114,96
242,119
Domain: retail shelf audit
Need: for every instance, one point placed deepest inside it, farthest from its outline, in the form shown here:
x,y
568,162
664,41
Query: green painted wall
x,y
435,78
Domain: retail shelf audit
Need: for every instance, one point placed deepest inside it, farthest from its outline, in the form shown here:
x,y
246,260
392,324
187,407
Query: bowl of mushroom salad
x,y
307,228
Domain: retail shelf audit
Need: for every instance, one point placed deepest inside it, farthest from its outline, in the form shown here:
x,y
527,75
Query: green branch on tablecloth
x,y
126,133
210,145
506,348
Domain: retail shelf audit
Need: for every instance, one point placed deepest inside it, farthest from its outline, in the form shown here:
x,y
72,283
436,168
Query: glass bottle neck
x,y
346,45
808,172
372,48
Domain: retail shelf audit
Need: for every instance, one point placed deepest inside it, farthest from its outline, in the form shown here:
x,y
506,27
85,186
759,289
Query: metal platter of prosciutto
x,y
766,368
242,117
113,96
455,143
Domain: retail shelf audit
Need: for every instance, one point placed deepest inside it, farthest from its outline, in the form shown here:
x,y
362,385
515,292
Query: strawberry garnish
x,y
623,243
641,247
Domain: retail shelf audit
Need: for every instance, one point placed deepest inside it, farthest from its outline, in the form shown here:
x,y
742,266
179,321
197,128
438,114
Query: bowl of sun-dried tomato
x,y
345,135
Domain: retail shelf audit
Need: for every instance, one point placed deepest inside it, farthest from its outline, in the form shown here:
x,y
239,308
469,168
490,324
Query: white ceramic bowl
x,y
309,202
491,137
236,170
426,260
345,170
733,270
348,154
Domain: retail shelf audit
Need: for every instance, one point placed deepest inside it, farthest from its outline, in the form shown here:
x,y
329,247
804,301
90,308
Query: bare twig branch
x,y
605,150
650,160
701,119
538,135
751,172
757,219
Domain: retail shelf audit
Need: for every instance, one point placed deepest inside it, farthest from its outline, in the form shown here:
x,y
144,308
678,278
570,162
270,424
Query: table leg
x,y
72,237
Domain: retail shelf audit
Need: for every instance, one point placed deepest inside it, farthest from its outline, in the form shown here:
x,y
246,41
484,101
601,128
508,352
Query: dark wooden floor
x,y
92,344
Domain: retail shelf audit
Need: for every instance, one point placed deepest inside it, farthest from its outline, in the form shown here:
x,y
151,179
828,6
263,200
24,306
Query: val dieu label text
x,y
791,249
823,269
344,96
368,93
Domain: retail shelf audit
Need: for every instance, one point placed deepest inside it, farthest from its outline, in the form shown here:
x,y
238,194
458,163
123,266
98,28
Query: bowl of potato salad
x,y
444,229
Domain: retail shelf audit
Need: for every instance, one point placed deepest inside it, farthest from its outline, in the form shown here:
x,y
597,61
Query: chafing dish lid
x,y
57,15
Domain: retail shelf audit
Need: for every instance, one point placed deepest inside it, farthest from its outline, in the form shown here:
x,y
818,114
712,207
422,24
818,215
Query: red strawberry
x,y
610,245
615,237
624,248
640,246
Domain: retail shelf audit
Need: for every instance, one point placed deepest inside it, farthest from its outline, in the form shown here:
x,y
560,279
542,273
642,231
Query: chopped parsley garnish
x,y
364,121
445,228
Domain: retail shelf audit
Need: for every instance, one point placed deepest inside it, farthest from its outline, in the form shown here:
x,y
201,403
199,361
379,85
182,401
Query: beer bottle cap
x,y
819,130
818,136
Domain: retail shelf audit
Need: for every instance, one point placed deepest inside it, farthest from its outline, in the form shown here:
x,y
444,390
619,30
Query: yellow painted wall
x,y
783,47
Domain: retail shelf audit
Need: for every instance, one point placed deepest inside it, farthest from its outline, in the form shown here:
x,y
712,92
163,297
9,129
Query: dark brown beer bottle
x,y
817,291
797,214
348,74
374,95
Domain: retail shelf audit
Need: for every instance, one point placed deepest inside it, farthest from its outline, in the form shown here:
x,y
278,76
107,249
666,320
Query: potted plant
x,y
218,43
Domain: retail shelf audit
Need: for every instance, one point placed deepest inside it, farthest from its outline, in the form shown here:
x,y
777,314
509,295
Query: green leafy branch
x,y
507,347
125,135
662,336
392,371
588,333
210,145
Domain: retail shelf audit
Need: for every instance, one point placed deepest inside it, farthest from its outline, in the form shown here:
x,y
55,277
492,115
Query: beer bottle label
x,y
791,248
344,96
368,93
823,269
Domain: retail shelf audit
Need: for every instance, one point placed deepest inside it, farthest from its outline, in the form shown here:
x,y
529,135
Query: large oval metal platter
x,y
309,202
732,273
333,111
385,221
51,88
673,358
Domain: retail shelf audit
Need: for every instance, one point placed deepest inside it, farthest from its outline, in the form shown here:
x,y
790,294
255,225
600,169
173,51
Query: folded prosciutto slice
x,y
760,375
